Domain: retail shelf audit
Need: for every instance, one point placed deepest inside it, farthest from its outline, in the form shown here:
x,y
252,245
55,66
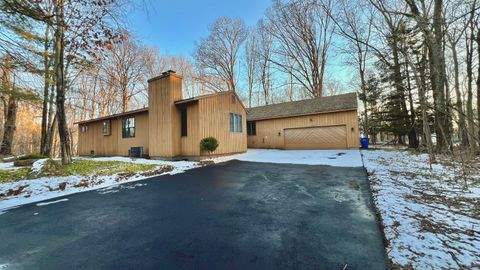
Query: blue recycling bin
x,y
364,143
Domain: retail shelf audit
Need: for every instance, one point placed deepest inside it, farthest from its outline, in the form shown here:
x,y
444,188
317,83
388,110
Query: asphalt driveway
x,y
235,215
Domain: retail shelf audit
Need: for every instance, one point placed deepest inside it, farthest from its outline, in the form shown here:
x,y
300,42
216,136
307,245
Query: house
x,y
172,127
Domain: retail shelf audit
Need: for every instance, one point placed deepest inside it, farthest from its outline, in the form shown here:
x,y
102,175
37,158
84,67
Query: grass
x,y
12,175
86,167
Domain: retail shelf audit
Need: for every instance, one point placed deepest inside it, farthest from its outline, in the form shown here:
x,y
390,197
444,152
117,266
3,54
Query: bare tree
x,y
251,62
264,53
434,37
302,31
217,54
356,26
124,64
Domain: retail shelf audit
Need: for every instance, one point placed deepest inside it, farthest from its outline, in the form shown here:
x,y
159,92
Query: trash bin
x,y
364,143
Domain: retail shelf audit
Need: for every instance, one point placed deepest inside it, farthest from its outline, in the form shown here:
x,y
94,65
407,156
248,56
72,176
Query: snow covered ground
x,y
431,218
339,158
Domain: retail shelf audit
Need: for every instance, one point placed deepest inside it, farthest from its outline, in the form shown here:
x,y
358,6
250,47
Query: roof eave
x,y
298,115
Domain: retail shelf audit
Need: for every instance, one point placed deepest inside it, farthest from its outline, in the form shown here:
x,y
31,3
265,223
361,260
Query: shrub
x,y
208,144
31,156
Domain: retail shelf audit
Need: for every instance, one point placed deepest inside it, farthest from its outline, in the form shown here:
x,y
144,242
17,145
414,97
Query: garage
x,y
329,122
326,137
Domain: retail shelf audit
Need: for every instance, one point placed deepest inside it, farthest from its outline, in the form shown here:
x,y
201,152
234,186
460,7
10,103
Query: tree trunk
x,y
438,72
462,126
63,133
478,83
421,81
46,85
399,86
412,133
469,68
9,127
11,110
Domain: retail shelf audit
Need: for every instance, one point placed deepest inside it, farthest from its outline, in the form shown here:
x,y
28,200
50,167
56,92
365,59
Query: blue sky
x,y
174,26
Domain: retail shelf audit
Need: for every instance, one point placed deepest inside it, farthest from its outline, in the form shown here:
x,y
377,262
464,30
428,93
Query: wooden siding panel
x,y
270,133
191,143
214,116
113,144
164,117
141,135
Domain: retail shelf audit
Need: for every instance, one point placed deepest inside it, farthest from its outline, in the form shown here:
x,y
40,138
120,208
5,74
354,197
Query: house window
x,y
183,115
235,122
251,128
106,127
83,128
128,127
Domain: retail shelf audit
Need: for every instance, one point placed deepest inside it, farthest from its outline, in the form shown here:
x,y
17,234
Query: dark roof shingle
x,y
304,107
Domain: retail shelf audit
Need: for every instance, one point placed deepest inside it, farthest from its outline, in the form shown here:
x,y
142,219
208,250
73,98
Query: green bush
x,y
31,156
208,144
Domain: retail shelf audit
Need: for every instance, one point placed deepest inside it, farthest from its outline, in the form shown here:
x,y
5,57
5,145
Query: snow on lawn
x,y
339,158
45,188
7,166
431,218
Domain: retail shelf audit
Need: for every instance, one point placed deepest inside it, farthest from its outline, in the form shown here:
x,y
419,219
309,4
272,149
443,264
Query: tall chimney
x,y
163,116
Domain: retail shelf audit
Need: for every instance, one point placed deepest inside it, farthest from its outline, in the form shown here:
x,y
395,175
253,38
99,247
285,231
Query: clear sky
x,y
174,26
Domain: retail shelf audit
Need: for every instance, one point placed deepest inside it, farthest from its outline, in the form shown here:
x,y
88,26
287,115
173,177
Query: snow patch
x,y
338,158
38,165
7,166
51,202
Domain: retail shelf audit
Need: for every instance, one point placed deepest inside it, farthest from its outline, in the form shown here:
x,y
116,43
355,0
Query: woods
x,y
414,64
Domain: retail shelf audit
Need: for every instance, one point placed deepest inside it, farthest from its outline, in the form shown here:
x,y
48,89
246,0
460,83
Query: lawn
x,y
88,167
12,175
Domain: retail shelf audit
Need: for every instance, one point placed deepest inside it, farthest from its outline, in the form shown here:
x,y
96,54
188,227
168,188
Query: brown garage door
x,y
331,137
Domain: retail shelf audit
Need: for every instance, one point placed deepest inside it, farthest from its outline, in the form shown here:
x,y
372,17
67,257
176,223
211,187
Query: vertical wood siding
x,y
214,116
164,117
113,144
191,143
270,133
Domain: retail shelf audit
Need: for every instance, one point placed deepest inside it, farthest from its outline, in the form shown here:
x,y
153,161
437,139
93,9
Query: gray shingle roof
x,y
304,107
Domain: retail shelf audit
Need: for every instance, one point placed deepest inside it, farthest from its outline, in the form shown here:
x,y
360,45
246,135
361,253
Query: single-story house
x,y
172,127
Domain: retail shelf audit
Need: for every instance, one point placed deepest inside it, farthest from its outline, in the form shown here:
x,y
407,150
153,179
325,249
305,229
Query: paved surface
x,y
236,215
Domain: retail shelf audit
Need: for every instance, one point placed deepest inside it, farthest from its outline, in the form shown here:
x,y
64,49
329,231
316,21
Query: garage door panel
x,y
331,137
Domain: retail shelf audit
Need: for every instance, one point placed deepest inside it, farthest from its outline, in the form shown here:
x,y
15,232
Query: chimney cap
x,y
168,72
165,74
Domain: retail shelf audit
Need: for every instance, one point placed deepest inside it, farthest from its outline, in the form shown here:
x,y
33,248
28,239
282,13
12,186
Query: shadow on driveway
x,y
235,215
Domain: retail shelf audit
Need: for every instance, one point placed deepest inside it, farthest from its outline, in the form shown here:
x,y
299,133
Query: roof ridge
x,y
303,100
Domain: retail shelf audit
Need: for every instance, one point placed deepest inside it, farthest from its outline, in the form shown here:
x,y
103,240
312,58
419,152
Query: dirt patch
x,y
61,186
163,169
13,192
83,183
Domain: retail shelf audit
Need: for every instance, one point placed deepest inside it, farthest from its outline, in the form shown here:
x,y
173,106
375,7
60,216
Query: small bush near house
x,y
208,144
31,156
